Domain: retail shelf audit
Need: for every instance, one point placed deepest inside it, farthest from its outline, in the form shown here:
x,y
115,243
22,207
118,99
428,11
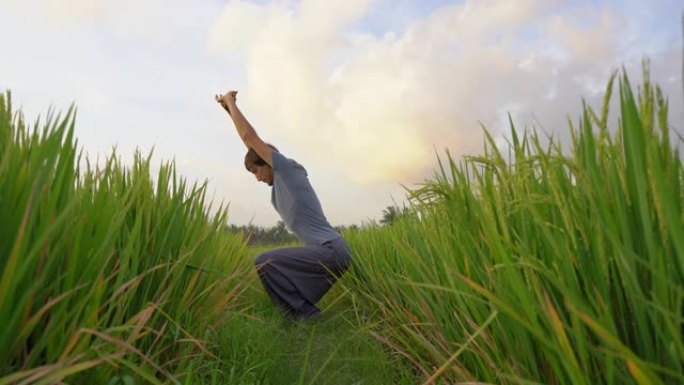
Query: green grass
x,y
103,270
540,264
542,267
262,347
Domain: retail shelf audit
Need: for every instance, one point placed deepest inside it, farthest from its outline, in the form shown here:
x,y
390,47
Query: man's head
x,y
257,166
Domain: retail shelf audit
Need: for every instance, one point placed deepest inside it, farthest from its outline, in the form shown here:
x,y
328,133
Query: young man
x,y
295,277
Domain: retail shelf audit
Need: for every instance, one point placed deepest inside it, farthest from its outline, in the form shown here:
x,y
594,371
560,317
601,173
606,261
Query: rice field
x,y
550,268
545,263
103,269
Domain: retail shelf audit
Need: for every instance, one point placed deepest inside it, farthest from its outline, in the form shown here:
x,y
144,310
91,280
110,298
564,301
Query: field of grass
x,y
260,346
103,271
542,264
550,268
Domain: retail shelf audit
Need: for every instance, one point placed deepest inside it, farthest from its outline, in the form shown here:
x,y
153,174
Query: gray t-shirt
x,y
296,202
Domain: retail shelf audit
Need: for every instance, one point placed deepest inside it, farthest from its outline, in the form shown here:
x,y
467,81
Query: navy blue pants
x,y
297,277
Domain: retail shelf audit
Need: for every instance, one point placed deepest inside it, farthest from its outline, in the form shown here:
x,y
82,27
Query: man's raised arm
x,y
244,129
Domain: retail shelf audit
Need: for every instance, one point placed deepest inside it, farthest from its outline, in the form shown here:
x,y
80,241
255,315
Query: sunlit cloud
x,y
594,43
385,102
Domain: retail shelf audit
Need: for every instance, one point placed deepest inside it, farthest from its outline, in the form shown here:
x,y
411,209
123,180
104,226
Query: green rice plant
x,y
105,272
541,267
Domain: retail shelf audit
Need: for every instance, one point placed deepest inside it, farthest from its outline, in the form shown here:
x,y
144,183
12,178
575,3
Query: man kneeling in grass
x,y
294,277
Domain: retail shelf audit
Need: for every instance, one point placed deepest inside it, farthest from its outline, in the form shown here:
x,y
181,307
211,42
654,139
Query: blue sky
x,y
360,92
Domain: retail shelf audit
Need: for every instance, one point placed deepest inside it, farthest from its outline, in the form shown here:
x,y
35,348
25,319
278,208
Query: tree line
x,y
280,235
274,235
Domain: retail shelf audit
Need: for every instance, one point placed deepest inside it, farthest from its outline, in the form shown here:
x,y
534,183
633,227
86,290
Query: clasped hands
x,y
226,100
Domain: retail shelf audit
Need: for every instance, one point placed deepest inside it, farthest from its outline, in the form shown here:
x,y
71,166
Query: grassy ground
x,y
540,267
259,346
113,276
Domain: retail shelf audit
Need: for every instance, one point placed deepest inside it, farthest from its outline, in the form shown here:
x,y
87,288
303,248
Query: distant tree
x,y
389,215
275,235
392,213
280,233
257,235
341,228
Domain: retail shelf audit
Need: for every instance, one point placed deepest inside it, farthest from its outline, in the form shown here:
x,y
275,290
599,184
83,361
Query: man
x,y
295,277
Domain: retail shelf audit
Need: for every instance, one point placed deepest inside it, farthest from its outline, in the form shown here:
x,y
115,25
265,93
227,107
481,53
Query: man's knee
x,y
263,258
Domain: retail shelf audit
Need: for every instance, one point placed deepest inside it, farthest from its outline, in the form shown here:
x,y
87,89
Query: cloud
x,y
66,12
147,21
593,42
379,105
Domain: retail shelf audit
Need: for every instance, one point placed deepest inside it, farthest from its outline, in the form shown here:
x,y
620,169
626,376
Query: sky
x,y
365,94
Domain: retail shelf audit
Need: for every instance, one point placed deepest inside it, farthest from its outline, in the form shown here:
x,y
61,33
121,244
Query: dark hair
x,y
252,158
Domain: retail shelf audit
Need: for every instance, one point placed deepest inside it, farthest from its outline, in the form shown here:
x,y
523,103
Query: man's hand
x,y
245,130
227,100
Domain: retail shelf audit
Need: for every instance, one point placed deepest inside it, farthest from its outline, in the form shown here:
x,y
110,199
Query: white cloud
x,y
594,43
387,101
66,12
391,99
158,21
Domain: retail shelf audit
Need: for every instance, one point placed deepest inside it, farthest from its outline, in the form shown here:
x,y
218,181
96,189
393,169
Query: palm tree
x,y
389,215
